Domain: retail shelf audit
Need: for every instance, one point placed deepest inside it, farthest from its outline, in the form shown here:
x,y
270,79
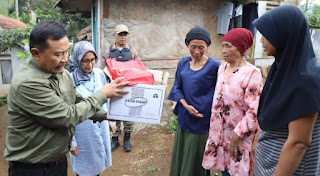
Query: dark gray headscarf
x,y
198,33
292,89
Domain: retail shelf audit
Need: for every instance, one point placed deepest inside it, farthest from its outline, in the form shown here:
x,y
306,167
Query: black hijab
x,y
292,88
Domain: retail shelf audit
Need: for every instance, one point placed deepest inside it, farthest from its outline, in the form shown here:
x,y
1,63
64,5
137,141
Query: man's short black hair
x,y
44,31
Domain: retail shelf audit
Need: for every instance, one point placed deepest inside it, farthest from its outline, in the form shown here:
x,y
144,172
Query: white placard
x,y
143,103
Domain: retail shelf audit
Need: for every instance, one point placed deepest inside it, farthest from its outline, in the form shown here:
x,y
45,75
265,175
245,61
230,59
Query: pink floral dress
x,y
234,110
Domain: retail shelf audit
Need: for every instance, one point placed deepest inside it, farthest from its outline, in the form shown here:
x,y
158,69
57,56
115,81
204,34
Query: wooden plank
x,y
105,9
165,78
160,64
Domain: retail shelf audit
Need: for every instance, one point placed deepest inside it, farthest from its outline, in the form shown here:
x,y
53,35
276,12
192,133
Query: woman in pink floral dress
x,y
234,122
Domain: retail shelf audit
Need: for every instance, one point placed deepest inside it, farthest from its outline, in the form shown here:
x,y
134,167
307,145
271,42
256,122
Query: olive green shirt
x,y
43,109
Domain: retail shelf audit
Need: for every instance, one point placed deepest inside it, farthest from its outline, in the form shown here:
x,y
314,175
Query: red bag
x,y
132,70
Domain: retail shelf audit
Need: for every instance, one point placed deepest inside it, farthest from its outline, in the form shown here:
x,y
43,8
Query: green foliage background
x,y
4,5
11,38
314,16
44,10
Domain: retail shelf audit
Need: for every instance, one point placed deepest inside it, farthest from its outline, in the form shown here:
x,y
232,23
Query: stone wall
x,y
158,28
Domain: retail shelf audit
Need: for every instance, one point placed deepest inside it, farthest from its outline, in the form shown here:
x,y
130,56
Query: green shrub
x,y
3,101
172,126
13,37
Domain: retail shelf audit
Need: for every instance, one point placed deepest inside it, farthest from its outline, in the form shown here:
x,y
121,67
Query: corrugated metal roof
x,y
74,6
84,6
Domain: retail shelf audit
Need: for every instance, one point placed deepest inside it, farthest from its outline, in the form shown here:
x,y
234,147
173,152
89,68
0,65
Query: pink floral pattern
x,y
234,110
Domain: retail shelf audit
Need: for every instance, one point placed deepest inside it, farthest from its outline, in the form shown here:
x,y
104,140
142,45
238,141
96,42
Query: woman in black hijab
x,y
289,139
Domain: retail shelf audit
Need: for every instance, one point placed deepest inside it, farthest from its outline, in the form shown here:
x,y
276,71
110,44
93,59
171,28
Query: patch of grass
x,y
152,170
172,126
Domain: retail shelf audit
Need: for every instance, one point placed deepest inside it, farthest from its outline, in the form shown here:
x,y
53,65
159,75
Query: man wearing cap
x,y
120,49
122,52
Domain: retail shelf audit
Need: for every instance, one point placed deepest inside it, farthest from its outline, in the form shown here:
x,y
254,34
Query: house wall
x,y
15,59
315,38
4,72
158,28
7,58
261,59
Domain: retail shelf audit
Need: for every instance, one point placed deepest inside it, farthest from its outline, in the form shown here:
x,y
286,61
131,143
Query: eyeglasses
x,y
92,61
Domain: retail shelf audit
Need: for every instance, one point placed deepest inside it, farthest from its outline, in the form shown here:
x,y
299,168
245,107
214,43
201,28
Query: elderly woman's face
x,y
87,62
268,47
230,53
197,48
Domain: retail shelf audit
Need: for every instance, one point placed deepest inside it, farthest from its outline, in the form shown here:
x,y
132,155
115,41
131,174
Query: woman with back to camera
x,y
234,123
289,138
90,148
193,89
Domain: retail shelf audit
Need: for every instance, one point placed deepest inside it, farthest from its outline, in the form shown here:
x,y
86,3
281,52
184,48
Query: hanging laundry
x,y
224,14
231,25
249,13
238,16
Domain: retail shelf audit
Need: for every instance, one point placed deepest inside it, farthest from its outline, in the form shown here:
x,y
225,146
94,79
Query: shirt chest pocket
x,y
68,95
64,88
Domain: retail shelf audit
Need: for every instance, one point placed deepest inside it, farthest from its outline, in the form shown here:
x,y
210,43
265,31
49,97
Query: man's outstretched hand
x,y
113,89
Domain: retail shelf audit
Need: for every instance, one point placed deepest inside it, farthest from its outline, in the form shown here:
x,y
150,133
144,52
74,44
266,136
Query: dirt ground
x,y
151,154
4,121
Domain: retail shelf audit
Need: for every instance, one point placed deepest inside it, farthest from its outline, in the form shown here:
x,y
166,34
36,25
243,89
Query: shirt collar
x,y
37,68
115,47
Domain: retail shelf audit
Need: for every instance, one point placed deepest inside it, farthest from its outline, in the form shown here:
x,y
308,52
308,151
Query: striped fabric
x,y
269,148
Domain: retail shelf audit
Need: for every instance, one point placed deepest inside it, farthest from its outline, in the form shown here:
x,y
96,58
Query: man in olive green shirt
x,y
44,107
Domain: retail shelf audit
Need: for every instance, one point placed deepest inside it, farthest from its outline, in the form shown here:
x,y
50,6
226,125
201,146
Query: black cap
x,y
198,33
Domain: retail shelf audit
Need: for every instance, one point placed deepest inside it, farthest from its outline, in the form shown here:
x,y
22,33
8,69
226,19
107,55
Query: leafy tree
x,y
4,4
314,16
45,11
